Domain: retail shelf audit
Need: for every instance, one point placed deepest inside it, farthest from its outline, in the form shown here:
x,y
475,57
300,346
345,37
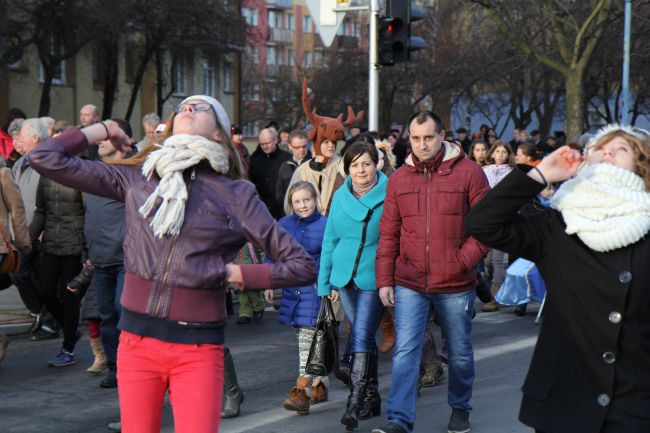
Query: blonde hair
x,y
300,185
639,141
235,170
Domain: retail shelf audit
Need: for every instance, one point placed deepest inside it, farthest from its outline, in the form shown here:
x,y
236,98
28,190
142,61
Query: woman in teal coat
x,y
347,269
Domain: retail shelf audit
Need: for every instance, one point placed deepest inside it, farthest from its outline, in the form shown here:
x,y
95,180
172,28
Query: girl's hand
x,y
559,165
234,276
268,296
334,296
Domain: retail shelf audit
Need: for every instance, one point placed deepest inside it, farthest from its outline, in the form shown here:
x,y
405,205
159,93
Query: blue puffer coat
x,y
300,305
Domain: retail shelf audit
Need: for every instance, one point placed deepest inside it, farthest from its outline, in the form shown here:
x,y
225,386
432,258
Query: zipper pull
x,y
193,175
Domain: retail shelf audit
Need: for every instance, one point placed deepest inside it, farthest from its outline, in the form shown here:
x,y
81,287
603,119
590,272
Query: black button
x,y
625,277
615,317
609,357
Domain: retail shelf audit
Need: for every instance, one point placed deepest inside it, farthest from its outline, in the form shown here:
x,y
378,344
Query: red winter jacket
x,y
6,144
423,243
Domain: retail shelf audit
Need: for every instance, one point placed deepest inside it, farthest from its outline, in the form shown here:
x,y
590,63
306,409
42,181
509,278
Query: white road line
x,y
252,422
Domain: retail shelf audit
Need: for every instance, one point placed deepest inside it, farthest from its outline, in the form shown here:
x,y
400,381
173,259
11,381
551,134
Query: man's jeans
x,y
109,282
412,311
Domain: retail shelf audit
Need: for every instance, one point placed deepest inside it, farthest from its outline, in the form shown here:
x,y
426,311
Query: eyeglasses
x,y
427,138
197,106
297,147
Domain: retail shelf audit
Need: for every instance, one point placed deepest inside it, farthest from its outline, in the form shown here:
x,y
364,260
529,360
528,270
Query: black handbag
x,y
323,353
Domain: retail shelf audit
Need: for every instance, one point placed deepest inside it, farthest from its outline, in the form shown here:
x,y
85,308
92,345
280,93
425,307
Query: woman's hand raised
x,y
558,166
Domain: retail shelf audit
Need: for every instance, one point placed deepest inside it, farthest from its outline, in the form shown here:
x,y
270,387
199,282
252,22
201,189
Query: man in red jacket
x,y
426,259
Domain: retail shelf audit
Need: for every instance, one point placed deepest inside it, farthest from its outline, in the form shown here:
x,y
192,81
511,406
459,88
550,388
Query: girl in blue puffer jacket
x,y
300,305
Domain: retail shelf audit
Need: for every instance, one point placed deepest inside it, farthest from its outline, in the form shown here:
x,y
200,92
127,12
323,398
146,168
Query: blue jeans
x,y
363,309
109,282
412,309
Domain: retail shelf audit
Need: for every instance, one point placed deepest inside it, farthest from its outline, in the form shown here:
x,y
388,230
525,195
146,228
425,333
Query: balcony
x,y
280,36
279,4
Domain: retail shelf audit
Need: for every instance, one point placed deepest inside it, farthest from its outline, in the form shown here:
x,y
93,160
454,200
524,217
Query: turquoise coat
x,y
344,256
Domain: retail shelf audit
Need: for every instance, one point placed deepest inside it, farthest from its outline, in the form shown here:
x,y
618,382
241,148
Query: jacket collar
x,y
310,219
453,154
358,208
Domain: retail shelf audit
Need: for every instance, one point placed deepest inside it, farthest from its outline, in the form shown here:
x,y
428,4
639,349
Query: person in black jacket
x,y
264,167
590,371
298,146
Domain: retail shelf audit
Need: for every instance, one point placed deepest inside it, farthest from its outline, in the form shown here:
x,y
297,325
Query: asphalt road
x,y
37,398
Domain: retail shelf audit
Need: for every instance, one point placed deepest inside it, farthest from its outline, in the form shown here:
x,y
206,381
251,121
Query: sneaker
x,y
258,315
62,359
109,381
391,427
115,426
36,323
45,333
459,421
244,320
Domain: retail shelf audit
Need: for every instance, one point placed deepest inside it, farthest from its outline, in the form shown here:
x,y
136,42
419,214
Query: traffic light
x,y
395,42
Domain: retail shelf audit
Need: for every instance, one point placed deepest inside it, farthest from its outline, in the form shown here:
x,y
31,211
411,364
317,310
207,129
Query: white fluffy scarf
x,y
606,206
176,154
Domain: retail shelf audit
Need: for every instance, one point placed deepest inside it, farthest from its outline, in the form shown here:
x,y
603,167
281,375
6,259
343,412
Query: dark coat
x,y
264,169
591,364
59,216
104,230
284,177
300,305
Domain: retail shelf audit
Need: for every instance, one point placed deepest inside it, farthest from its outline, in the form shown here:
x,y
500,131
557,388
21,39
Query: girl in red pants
x,y
187,213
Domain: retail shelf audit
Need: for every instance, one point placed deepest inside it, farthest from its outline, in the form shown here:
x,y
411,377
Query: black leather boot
x,y
232,394
371,405
359,375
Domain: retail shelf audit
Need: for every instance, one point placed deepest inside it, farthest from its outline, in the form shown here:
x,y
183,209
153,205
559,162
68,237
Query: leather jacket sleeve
x,y
55,159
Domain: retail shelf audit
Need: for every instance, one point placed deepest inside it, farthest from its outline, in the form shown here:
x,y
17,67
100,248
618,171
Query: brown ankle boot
x,y
298,400
492,305
388,329
318,393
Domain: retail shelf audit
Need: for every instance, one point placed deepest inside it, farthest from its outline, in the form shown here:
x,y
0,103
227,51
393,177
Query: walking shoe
x,y
244,320
44,333
258,315
115,426
459,421
433,377
109,381
62,359
391,427
520,310
36,323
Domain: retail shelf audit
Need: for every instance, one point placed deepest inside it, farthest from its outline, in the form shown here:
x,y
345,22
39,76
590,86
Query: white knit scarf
x,y
177,153
606,206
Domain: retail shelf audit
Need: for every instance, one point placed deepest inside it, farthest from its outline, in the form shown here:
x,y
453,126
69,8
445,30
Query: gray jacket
x,y
27,180
104,230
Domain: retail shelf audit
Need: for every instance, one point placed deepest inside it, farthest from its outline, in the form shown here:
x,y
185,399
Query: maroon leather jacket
x,y
182,278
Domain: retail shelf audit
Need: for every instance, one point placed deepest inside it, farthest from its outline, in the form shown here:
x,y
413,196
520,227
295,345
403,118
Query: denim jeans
x,y
454,313
363,309
109,282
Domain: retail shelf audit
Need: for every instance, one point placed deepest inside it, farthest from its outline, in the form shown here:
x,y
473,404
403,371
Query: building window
x,y
307,58
179,77
271,56
275,19
252,92
355,30
208,78
319,58
252,54
226,74
291,57
59,73
290,22
306,24
250,16
251,129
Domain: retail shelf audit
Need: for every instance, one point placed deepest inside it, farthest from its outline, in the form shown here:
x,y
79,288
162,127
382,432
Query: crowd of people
x,y
148,241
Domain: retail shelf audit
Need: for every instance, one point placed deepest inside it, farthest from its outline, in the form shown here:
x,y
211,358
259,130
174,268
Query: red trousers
x,y
193,374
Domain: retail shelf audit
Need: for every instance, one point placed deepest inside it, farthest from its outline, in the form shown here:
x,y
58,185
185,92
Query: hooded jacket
x,y
423,244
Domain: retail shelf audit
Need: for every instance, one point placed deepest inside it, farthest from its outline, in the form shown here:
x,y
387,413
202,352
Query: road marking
x,y
252,422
